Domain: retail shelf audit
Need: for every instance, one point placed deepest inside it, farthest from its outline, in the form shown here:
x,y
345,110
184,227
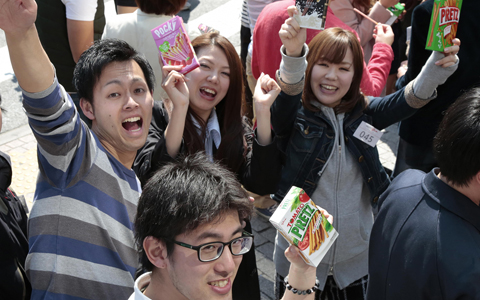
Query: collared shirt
x,y
212,135
140,284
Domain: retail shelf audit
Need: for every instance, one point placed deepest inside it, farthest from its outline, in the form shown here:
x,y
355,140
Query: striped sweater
x,y
81,225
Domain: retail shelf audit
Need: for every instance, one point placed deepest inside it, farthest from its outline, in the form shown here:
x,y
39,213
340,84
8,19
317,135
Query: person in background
x,y
195,253
321,120
67,28
425,241
343,9
135,28
417,132
125,6
14,284
81,240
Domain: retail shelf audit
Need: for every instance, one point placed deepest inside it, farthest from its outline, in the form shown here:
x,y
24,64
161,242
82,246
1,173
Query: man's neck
x,y
467,191
161,287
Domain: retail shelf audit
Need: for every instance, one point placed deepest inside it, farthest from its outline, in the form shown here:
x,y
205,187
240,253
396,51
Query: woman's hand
x,y
293,37
383,34
450,55
266,91
175,86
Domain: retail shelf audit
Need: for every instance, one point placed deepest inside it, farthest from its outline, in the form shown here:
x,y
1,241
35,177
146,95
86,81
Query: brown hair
x,y
231,150
332,45
160,7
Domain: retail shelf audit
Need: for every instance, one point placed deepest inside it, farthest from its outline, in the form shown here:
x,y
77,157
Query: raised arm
x,y
266,91
30,63
175,86
420,91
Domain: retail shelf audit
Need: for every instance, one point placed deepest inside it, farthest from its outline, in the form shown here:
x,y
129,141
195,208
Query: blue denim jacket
x,y
306,139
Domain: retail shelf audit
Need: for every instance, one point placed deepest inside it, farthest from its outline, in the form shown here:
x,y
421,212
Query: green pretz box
x,y
443,24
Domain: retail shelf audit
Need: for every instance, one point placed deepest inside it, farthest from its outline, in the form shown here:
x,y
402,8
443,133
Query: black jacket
x,y
425,242
13,238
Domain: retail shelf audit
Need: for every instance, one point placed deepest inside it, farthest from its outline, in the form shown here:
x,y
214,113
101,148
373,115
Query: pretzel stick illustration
x,y
365,16
436,10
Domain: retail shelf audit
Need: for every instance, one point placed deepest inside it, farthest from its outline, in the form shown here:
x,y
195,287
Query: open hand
x,y
293,37
17,16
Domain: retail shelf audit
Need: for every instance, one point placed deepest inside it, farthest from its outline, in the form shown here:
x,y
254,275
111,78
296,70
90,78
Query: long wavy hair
x,y
231,150
332,45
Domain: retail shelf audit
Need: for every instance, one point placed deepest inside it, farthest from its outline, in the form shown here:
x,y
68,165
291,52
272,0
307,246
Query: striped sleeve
x,y
65,145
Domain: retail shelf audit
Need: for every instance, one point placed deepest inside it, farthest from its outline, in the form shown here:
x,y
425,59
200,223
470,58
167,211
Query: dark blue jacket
x,y
306,139
425,242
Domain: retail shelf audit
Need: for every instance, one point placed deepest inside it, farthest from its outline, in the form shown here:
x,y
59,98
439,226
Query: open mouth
x,y
328,87
211,93
132,124
219,283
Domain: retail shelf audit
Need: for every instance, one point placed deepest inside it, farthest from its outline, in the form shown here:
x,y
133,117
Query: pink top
x,y
266,55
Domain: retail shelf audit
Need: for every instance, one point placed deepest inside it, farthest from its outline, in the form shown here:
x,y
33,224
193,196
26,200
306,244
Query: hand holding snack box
x,y
443,24
174,45
301,223
312,13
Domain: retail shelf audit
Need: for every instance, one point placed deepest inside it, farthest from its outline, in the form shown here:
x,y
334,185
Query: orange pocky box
x,y
443,24
174,45
300,222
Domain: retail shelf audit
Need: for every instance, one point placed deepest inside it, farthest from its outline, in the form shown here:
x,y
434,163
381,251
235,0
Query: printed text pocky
x,y
174,45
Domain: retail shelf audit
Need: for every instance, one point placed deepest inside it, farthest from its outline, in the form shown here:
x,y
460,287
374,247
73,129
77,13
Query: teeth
x,y
135,130
328,87
133,119
209,91
220,283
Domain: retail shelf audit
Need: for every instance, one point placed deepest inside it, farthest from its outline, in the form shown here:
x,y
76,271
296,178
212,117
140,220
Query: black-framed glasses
x,y
212,251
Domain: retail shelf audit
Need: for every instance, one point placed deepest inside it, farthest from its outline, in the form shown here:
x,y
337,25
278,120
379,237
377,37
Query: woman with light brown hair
x,y
327,130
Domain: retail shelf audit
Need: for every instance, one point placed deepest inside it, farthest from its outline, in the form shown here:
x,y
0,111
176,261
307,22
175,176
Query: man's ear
x,y
87,108
156,251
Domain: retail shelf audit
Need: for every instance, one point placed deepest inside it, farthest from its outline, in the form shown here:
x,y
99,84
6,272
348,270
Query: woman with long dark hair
x,y
205,115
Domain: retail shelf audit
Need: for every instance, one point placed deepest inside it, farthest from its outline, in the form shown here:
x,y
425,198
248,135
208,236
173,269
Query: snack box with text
x,y
311,13
300,222
443,24
174,45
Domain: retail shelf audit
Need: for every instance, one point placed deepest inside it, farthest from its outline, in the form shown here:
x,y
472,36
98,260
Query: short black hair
x,y
457,143
184,195
103,52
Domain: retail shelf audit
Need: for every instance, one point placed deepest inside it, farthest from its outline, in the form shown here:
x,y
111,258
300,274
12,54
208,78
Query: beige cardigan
x,y
343,9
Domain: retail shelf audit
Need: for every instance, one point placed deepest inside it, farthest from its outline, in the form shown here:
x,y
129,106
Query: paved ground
x,y
17,139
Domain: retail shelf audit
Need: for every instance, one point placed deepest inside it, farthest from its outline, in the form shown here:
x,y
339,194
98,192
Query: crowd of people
x,y
146,174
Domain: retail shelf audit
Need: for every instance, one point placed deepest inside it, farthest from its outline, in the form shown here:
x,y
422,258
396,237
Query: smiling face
x,y
330,82
192,279
209,83
121,110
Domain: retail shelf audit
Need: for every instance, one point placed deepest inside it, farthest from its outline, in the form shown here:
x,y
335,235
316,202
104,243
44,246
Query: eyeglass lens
x,y
238,246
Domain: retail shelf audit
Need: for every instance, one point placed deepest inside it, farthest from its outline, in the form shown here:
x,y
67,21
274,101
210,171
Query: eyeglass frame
x,y
197,248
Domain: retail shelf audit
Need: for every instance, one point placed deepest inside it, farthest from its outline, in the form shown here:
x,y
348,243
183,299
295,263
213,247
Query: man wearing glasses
x,y
189,229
